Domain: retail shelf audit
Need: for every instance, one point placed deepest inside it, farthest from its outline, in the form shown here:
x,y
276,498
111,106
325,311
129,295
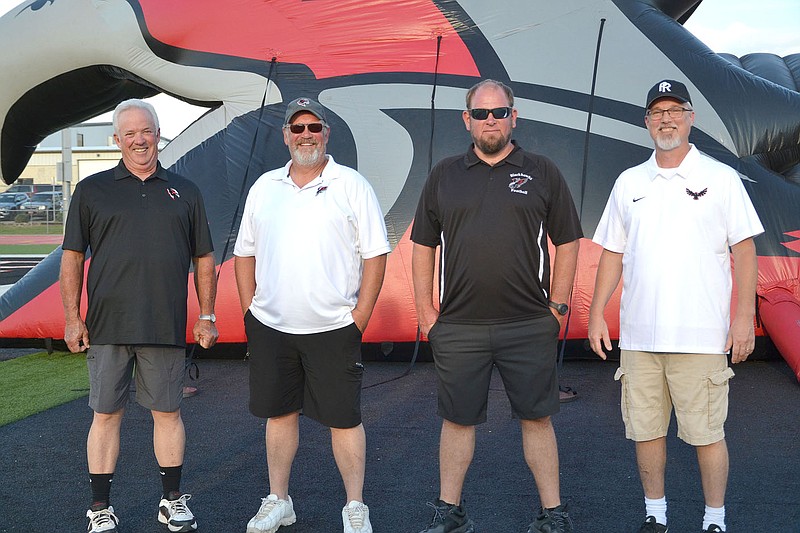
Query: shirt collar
x,y
122,172
683,170
516,157
329,173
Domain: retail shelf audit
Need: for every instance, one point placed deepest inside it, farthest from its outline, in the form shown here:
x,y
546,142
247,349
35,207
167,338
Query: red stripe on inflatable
x,y
331,37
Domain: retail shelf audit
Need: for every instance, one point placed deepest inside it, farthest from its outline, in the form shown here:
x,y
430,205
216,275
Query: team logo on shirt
x,y
697,195
173,193
321,189
518,180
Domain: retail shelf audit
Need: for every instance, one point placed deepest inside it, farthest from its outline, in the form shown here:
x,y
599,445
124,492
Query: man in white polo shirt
x,y
666,231
309,259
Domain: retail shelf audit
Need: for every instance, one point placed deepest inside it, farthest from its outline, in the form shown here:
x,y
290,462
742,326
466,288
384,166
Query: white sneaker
x,y
103,520
273,514
355,517
176,515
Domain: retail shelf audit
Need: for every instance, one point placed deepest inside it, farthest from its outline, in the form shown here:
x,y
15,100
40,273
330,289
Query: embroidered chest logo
x,y
697,195
517,181
321,189
173,193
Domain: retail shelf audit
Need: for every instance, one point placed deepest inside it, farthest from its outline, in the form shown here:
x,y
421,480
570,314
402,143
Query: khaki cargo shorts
x,y
695,385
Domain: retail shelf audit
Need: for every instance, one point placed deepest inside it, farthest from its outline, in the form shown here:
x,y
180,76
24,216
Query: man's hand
x,y
741,340
205,333
361,319
599,337
76,336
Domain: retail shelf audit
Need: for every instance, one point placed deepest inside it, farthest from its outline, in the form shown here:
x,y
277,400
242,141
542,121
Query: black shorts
x,y
318,374
525,354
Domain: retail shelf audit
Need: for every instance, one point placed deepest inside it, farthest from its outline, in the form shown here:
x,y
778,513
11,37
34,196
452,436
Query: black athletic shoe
x,y
552,521
713,528
651,526
449,518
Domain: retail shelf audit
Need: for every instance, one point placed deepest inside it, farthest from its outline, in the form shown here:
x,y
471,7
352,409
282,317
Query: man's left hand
x,y
741,340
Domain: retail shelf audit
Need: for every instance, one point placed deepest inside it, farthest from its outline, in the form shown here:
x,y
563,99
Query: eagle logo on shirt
x,y
173,193
517,181
697,195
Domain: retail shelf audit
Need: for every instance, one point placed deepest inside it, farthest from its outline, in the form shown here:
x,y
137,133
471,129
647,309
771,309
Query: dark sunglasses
x,y
314,127
497,112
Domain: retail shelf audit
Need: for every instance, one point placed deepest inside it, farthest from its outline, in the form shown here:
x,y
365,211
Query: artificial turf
x,y
33,383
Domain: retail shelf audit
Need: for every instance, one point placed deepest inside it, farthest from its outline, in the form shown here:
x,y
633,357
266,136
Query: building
x,y
93,150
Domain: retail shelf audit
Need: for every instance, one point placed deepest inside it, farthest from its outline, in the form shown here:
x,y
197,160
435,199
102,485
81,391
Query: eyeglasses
x,y
314,127
483,114
673,112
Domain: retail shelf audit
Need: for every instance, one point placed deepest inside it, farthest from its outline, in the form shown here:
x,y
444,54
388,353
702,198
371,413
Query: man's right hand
x,y
76,336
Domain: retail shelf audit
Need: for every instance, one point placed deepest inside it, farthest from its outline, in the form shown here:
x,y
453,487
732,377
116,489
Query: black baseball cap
x,y
668,89
304,104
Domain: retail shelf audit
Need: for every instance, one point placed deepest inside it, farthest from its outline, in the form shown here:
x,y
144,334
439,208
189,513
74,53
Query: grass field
x,y
27,249
30,229
36,382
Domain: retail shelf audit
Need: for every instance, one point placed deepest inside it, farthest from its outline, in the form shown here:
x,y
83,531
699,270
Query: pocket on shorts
x,y
718,397
619,375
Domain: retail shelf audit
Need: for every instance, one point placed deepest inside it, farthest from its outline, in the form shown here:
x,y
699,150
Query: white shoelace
x,y
267,506
355,515
103,517
178,509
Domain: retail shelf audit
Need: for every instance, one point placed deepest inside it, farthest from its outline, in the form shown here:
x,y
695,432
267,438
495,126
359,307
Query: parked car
x,y
9,204
31,189
44,205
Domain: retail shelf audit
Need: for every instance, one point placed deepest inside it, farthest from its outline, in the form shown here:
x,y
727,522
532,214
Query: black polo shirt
x,y
142,236
492,223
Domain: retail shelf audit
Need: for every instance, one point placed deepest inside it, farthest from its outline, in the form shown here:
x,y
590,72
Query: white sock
x,y
714,515
656,508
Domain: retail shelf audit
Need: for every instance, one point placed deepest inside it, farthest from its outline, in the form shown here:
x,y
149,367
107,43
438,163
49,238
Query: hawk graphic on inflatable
x,y
393,76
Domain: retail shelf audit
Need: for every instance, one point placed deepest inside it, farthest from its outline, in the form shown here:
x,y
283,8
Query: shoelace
x,y
100,518
439,513
267,506
560,519
356,516
178,507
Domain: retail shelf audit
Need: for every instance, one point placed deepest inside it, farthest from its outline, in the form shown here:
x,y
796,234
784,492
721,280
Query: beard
x,y
304,158
668,142
493,144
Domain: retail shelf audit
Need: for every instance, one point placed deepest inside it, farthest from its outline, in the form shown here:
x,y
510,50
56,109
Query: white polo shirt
x,y
674,227
309,245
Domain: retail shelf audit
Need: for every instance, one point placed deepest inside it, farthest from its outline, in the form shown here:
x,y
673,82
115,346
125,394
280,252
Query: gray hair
x,y
133,103
500,85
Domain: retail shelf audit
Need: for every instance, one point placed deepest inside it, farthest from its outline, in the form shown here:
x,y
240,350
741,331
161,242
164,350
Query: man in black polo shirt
x,y
491,212
144,227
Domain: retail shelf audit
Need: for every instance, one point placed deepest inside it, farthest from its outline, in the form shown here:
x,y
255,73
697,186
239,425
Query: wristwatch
x,y
562,309
211,318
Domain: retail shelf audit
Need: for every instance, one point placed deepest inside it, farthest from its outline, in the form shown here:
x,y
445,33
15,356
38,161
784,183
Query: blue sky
x,y
740,27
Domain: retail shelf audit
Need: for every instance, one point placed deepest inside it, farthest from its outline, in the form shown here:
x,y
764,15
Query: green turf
x,y
33,383
27,249
31,229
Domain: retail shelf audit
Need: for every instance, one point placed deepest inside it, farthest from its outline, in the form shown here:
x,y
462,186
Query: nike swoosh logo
x,y
637,199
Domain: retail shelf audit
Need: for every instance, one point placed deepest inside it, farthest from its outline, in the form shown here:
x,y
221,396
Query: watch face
x,y
562,309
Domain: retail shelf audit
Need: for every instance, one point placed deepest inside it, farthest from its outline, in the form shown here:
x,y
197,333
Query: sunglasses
x,y
314,127
497,112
